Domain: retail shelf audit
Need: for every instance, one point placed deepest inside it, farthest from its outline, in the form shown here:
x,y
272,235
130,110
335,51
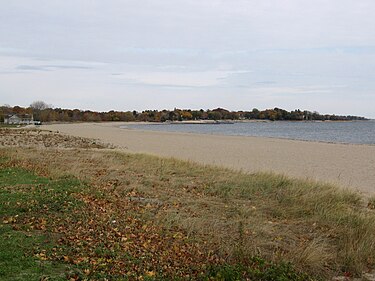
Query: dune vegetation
x,y
86,211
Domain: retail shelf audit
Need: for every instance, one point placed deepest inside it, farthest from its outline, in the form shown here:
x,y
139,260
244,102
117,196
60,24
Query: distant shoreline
x,y
42,112
198,122
225,121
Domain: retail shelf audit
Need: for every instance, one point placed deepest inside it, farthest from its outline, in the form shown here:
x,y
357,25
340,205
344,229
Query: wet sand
x,y
347,165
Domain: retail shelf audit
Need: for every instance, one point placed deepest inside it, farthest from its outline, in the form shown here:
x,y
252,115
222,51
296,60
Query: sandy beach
x,y
346,165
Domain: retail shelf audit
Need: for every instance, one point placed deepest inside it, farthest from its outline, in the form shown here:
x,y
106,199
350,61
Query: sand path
x,y
347,165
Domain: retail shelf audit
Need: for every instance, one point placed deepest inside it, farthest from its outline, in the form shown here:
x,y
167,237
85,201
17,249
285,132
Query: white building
x,y
23,119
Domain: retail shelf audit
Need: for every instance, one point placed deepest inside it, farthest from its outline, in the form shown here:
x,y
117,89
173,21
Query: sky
x,y
242,54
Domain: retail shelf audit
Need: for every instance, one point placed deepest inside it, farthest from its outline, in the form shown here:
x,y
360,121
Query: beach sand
x,y
347,165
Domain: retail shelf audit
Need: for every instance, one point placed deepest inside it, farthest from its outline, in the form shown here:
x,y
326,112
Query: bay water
x,y
352,132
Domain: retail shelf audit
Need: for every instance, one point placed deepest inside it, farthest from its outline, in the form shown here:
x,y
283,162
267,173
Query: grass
x,y
258,270
161,218
17,262
23,246
2,125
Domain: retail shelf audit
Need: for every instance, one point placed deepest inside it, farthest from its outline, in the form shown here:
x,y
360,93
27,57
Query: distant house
x,y
19,119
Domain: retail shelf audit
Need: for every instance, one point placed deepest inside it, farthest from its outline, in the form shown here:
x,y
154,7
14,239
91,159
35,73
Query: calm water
x,y
361,132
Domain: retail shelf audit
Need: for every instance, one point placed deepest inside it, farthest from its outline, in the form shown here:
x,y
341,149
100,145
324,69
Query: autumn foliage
x,y
46,113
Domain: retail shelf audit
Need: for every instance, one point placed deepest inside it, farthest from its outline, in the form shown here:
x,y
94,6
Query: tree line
x,y
46,113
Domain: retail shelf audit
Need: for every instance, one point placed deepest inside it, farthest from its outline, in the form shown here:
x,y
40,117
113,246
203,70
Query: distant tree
x,y
186,115
39,105
2,113
255,113
197,114
44,112
317,116
76,115
296,115
173,115
142,117
37,108
6,109
215,115
18,110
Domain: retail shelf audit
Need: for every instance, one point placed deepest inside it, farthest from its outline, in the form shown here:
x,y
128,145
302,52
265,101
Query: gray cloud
x,y
49,67
31,67
65,67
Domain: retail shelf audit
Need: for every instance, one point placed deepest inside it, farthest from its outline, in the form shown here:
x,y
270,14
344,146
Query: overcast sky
x,y
240,54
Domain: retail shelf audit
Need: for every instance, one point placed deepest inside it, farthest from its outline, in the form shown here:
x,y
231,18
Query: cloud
x,y
92,53
66,67
178,79
92,29
31,67
50,67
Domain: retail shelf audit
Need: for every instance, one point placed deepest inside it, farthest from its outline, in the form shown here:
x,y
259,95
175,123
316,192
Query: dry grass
x,y
371,203
321,229
317,227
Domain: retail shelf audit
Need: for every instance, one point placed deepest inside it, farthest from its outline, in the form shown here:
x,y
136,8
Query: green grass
x,y
17,261
22,249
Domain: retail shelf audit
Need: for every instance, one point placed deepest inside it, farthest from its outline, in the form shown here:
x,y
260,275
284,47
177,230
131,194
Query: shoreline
x,y
346,165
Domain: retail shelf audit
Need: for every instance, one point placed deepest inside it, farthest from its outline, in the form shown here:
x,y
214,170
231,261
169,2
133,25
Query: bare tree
x,y
39,105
